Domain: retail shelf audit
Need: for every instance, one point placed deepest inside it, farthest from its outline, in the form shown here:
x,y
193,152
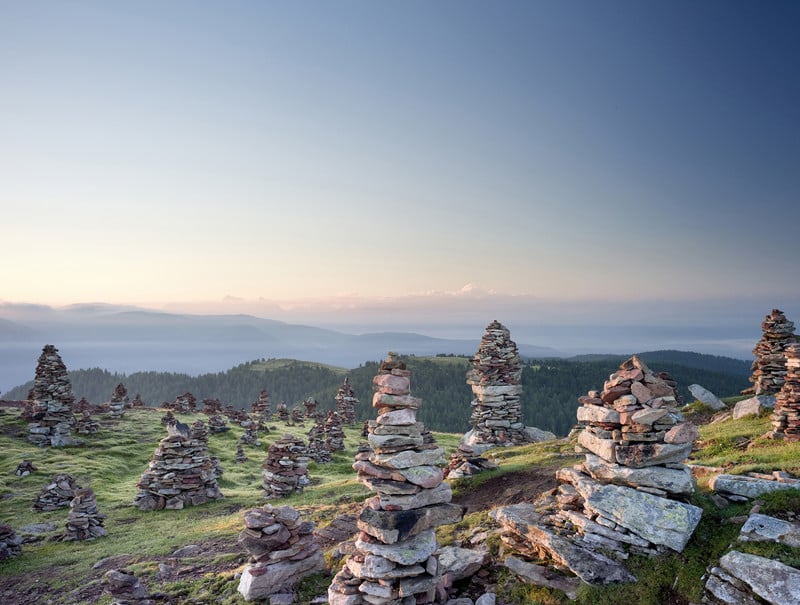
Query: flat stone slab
x,y
748,487
540,575
763,528
588,565
776,583
672,480
261,581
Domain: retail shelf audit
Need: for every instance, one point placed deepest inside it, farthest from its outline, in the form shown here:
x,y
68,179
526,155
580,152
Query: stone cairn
x,y
212,407
334,434
250,435
25,468
125,588
282,410
625,497
218,424
346,403
283,551
311,407
52,392
84,521
317,448
240,457
85,424
199,433
464,462
786,415
769,366
285,470
262,407
180,474
116,407
10,542
394,559
137,402
82,406
56,494
167,418
185,404
496,418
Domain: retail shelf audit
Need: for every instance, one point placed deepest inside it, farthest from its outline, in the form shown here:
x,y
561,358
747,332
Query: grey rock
x,y
407,552
260,581
705,396
672,480
651,454
763,528
535,435
460,562
753,406
191,550
776,583
540,575
391,526
748,487
488,598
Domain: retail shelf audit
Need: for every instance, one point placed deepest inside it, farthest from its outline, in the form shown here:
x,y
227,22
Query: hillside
x,y
111,462
549,400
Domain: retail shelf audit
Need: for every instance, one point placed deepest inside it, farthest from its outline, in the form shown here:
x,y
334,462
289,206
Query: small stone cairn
x,y
181,472
625,497
10,542
52,392
317,448
285,470
495,376
346,403
250,436
56,494
298,416
212,407
334,434
283,551
218,424
84,521
282,410
184,404
262,406
769,366
125,588
394,560
82,406
311,407
167,418
137,401
85,424
464,462
25,468
240,457
116,407
786,415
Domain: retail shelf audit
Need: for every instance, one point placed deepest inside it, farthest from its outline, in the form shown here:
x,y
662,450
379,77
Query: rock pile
x,y
298,416
116,407
125,588
180,474
218,424
56,494
317,448
199,433
82,406
496,418
262,407
52,392
250,436
285,470
346,403
394,559
167,418
137,402
311,407
623,497
282,548
25,468
769,366
240,456
334,434
85,424
786,415
464,462
10,542
84,521
185,404
212,407
282,410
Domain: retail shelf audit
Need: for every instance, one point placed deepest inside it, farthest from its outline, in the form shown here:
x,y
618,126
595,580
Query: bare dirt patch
x,y
510,488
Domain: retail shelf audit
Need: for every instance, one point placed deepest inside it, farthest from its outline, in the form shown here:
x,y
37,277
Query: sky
x,y
408,162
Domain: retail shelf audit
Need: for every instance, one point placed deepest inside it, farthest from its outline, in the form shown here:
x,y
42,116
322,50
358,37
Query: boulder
x,y
258,582
753,406
460,563
776,583
748,487
763,528
543,576
703,395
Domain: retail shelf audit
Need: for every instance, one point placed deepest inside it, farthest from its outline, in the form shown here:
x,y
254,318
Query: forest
x,y
549,400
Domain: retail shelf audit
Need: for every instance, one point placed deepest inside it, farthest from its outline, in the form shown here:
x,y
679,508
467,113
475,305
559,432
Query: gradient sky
x,y
189,153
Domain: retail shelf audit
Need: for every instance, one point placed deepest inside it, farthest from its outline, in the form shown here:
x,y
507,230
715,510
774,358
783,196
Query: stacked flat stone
x,y
84,521
311,407
10,542
218,424
298,416
25,468
250,436
116,406
167,418
769,366
262,407
240,456
283,550
180,474
56,494
137,402
626,496
334,434
282,411
394,560
464,462
200,433
285,470
185,404
125,588
317,448
496,418
82,406
212,407
786,415
85,424
346,403
52,392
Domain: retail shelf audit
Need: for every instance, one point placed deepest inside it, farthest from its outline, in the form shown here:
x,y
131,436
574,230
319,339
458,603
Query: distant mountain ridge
x,y
715,363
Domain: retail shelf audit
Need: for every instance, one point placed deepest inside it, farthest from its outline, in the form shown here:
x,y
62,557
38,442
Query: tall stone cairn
x,y
283,550
786,415
495,380
311,407
181,472
394,561
262,406
285,470
116,407
52,392
317,448
84,521
346,403
334,434
769,366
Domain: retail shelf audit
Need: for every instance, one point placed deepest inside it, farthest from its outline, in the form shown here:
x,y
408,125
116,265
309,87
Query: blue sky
x,y
267,157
